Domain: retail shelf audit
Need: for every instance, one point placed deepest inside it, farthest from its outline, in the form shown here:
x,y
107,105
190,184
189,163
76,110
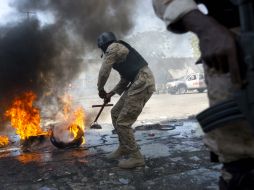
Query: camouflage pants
x,y
125,113
233,141
129,107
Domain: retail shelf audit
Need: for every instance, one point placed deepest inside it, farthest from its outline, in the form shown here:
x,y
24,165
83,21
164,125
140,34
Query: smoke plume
x,y
41,57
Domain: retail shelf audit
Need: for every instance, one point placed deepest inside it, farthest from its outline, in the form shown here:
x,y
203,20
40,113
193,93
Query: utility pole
x,y
29,13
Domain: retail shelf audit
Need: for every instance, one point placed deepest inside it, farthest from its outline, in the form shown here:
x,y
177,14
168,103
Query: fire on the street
x,y
74,117
25,117
4,141
78,124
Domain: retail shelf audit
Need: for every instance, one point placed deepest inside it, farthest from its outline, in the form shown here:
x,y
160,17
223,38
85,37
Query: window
x,y
192,77
201,76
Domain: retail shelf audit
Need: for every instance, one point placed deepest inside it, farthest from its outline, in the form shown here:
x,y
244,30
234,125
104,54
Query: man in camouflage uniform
x,y
136,87
232,144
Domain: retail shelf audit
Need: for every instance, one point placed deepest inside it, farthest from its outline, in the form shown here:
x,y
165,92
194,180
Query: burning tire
x,y
76,142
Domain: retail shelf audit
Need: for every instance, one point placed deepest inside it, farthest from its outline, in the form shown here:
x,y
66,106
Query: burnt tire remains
x,y
75,143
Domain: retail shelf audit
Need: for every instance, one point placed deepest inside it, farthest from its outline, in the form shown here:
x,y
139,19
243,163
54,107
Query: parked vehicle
x,y
194,81
161,89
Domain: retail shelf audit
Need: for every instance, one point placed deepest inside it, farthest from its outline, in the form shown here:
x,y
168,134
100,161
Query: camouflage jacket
x,y
116,53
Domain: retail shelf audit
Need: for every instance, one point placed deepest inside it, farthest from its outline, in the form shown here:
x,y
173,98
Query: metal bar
x,y
107,105
98,115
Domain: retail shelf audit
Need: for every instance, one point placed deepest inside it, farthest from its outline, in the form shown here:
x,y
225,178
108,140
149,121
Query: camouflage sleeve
x,y
172,10
103,75
115,53
121,86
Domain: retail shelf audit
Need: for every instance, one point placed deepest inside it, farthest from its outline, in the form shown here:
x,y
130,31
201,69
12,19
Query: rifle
x,y
242,106
245,97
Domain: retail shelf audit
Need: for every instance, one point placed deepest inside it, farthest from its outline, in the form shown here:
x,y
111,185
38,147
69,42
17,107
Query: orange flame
x,y
25,117
4,141
78,123
75,117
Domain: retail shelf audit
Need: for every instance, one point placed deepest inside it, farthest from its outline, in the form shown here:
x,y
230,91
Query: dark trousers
x,y
242,172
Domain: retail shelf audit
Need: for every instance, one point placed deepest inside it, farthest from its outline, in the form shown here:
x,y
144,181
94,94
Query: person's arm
x,y
119,89
103,75
170,11
115,53
122,53
217,43
121,86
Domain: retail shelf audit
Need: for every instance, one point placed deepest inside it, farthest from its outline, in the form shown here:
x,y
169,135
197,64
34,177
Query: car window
x,y
201,76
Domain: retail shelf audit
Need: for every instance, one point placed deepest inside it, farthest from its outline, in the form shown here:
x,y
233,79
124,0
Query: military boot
x,y
135,160
118,153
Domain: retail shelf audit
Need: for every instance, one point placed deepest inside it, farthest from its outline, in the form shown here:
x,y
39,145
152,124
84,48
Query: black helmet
x,y
105,39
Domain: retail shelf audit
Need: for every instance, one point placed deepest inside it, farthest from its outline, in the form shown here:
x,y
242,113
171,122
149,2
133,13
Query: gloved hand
x,y
102,94
108,96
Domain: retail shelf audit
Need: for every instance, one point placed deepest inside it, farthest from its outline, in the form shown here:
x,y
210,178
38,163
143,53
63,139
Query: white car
x,y
194,81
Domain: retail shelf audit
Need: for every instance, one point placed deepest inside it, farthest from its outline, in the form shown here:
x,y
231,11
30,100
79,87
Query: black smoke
x,y
86,18
35,56
44,58
32,57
